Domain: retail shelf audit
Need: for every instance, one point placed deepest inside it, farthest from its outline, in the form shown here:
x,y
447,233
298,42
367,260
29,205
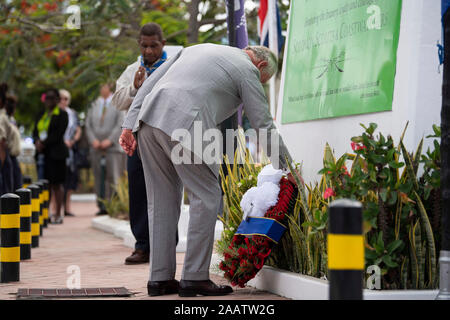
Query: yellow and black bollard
x,y
345,250
46,203
34,215
41,207
25,223
26,181
10,238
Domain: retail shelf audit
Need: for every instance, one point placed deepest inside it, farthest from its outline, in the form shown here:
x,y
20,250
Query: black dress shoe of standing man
x,y
203,287
159,288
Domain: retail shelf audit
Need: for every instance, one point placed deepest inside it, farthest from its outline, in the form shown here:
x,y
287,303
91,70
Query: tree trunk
x,y
193,21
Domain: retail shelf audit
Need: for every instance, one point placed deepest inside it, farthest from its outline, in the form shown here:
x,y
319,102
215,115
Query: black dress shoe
x,y
159,288
204,288
68,214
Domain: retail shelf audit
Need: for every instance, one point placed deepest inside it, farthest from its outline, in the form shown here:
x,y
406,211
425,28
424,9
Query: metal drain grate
x,y
24,293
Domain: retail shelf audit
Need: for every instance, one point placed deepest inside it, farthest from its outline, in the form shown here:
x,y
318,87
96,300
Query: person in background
x,y
103,129
10,107
71,137
11,175
151,43
49,141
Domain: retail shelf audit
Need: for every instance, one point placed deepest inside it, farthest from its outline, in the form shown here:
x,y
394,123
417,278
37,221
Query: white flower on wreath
x,y
257,200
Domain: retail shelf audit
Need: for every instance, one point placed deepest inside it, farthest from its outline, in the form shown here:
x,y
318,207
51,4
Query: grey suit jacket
x,y
206,83
110,129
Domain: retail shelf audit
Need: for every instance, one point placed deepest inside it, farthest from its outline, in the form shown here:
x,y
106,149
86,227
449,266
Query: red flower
x,y
329,193
344,168
242,251
357,146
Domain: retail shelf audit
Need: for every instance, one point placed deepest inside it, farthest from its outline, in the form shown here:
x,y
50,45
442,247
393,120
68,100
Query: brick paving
x,y
100,259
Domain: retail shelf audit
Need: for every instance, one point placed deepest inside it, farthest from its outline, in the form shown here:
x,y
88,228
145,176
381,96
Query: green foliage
x,y
400,237
396,222
38,51
118,205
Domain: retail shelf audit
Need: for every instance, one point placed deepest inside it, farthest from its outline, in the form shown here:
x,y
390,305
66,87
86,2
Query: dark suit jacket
x,y
54,146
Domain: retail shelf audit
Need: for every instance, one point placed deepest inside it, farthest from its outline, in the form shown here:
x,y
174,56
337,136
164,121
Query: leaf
x,y
409,166
394,245
388,261
429,237
417,156
396,165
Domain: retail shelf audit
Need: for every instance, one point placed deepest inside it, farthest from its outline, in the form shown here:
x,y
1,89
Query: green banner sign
x,y
341,58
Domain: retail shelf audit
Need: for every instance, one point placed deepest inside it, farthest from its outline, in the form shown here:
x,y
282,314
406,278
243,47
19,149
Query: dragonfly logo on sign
x,y
330,65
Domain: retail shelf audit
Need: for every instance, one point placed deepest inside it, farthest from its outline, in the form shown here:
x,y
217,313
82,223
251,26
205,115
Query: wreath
x,y
249,250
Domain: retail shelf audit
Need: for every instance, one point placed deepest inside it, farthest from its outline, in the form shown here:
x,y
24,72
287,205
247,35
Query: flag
x,y
237,33
263,25
237,24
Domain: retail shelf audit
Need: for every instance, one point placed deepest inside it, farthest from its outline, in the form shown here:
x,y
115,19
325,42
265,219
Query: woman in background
x,y
49,141
71,137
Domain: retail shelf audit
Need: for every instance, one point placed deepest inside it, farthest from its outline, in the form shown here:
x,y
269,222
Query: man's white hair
x,y
265,54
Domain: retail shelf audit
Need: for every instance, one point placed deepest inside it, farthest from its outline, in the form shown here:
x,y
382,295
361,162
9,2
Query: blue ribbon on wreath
x,y
266,227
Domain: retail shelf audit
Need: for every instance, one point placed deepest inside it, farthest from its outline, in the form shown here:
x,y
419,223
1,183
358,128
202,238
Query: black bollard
x,y
41,207
46,203
346,250
26,181
34,215
10,237
25,223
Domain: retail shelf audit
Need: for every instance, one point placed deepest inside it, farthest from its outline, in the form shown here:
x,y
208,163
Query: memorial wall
x,y
358,61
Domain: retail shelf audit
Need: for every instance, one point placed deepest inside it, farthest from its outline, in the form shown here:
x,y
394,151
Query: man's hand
x,y
96,144
139,77
105,144
68,143
128,142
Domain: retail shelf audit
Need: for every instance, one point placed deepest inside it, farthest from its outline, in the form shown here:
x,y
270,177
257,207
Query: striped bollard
x,y
26,181
10,237
25,223
345,250
46,203
41,207
34,215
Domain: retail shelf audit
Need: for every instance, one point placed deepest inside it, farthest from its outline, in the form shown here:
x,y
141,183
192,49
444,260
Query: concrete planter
x,y
300,287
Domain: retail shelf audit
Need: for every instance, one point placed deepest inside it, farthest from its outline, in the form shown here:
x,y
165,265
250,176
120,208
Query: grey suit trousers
x,y
165,181
115,168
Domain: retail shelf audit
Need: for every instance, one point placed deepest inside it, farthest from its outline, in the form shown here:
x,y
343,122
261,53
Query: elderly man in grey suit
x,y
203,84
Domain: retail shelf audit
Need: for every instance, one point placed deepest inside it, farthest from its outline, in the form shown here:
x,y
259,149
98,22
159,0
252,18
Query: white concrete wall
x,y
417,96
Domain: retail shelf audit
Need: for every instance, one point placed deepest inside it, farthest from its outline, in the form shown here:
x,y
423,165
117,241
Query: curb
x,y
301,287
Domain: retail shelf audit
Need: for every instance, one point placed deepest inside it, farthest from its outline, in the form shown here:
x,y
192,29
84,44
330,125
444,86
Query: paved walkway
x,y
100,258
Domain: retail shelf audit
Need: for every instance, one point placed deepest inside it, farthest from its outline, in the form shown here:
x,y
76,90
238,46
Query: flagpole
x,y
273,46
